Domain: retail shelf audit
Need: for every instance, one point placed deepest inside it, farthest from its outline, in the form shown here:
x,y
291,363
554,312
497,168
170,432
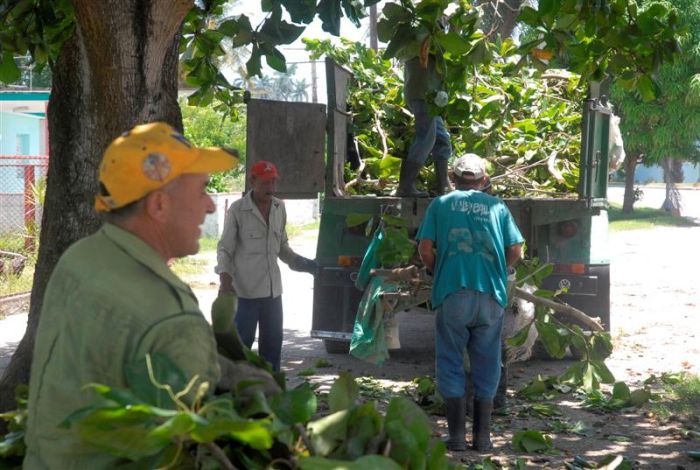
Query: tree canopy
x,y
668,127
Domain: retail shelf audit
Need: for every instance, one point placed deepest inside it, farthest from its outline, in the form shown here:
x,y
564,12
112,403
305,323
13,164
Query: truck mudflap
x,y
588,291
337,297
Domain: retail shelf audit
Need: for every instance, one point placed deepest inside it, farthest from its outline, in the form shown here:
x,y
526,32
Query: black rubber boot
x,y
500,401
469,394
443,183
481,429
407,180
456,423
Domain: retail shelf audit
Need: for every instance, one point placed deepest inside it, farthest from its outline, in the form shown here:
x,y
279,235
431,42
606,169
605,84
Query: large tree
x,y
665,131
114,64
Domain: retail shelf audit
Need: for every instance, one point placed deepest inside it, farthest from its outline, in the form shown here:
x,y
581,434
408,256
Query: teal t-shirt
x,y
471,231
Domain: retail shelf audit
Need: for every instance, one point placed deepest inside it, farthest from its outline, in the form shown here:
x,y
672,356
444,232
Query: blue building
x,y
655,174
24,148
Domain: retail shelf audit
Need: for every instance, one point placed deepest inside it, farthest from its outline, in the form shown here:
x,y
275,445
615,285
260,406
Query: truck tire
x,y
336,346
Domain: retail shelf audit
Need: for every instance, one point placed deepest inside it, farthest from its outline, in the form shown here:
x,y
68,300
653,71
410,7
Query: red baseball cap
x,y
264,170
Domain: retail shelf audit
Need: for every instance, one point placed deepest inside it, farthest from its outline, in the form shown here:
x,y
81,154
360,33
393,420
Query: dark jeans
x,y
267,313
468,320
431,137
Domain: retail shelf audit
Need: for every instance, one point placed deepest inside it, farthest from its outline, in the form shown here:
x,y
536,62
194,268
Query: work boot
x,y
407,180
481,428
455,410
469,394
500,401
443,182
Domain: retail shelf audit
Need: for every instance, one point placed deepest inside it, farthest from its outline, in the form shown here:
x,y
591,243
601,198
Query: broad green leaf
x,y
531,441
453,43
640,397
343,393
255,433
553,339
300,11
9,72
621,391
573,375
534,389
275,59
392,220
329,13
601,345
520,337
124,432
295,406
364,425
409,430
329,432
280,32
354,219
602,372
363,463
253,64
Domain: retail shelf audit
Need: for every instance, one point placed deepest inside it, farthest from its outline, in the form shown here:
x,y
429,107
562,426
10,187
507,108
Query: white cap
x,y
470,166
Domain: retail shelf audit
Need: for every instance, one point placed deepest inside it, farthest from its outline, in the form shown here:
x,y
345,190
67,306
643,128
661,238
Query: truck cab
x,y
308,142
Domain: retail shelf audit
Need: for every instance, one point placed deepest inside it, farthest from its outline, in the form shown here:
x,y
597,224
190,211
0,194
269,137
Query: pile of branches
x,y
524,122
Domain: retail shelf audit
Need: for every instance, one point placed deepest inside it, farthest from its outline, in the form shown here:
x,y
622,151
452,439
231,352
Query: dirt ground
x,y
655,328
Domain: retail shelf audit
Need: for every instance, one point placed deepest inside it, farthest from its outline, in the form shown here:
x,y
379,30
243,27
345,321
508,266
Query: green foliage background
x,y
207,127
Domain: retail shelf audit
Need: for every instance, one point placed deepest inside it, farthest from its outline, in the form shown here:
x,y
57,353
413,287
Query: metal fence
x,y
22,189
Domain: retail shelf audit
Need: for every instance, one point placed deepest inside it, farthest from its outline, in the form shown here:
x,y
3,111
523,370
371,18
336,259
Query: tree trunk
x,y
677,170
630,197
499,16
672,203
118,69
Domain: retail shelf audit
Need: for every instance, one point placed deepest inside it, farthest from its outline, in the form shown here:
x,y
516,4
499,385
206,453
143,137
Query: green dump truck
x,y
308,142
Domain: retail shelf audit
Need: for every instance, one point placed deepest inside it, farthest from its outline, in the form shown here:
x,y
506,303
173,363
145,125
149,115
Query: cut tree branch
x,y
565,309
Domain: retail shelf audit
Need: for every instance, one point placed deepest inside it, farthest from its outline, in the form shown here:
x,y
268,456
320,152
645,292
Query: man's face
x,y
263,189
190,203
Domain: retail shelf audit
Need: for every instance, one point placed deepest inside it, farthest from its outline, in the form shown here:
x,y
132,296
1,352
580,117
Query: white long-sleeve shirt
x,y
249,248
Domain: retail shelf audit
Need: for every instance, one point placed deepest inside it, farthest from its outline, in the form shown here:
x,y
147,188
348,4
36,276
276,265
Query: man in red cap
x,y
254,237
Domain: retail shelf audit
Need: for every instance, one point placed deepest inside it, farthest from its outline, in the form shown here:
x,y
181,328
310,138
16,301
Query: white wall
x,y
299,211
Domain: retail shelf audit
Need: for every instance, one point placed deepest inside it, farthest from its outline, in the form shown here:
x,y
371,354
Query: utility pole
x,y
314,83
373,43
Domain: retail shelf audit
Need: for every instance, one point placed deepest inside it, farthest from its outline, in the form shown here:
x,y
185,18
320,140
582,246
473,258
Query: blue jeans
x,y
468,320
431,135
267,313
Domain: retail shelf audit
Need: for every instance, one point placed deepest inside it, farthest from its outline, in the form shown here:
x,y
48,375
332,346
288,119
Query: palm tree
x,y
299,92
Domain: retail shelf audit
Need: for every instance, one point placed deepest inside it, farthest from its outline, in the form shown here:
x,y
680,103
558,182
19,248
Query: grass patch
x,y
190,266
644,218
11,284
680,399
296,230
207,244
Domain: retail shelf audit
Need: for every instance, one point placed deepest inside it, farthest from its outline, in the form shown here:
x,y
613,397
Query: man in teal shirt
x,y
112,299
476,240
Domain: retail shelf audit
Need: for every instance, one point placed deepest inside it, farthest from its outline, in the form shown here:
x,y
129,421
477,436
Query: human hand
x,y
304,265
242,377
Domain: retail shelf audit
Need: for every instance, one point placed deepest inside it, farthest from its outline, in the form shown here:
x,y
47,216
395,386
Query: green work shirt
x,y
417,81
110,300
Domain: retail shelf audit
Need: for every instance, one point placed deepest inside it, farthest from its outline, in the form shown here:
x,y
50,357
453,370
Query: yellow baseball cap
x,y
148,157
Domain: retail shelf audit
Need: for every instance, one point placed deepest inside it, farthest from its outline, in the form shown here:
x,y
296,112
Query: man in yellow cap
x,y
112,299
